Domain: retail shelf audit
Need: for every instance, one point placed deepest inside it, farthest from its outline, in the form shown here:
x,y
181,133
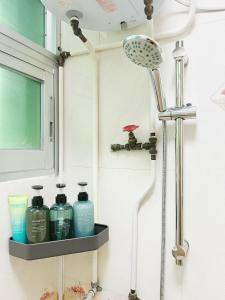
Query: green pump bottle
x,y
61,217
37,219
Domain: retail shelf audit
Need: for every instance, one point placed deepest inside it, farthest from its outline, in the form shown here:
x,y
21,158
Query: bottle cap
x,y
83,195
61,197
37,200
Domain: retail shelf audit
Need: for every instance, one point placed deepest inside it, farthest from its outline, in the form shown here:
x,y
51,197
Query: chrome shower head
x,y
143,51
146,52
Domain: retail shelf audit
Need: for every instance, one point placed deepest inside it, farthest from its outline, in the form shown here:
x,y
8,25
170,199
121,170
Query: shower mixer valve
x,y
133,144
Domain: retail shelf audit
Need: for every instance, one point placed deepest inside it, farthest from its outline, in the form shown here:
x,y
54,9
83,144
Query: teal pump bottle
x,y
37,219
83,214
61,217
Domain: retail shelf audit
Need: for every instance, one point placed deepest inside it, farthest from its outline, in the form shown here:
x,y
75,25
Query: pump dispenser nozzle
x,y
37,188
61,197
83,195
37,200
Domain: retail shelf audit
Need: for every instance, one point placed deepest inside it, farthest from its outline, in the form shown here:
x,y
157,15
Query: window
x,y
20,113
28,94
26,17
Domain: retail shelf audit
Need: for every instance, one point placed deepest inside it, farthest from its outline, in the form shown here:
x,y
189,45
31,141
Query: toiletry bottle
x,y
61,217
37,225
18,207
83,214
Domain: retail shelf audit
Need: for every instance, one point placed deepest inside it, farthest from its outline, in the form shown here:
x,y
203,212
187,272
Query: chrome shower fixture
x,y
143,51
146,52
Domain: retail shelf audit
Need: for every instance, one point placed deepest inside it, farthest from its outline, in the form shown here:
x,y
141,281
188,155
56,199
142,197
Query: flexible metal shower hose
x,y
163,232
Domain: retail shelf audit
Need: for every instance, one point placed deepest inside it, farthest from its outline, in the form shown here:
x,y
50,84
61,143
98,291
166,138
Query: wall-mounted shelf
x,y
59,248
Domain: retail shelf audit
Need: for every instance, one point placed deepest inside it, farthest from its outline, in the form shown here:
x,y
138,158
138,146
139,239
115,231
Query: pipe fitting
x,y
180,252
148,9
95,288
133,295
62,57
152,143
75,24
134,145
151,146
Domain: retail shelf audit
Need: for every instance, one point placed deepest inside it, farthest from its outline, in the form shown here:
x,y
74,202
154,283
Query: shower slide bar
x,y
181,248
180,113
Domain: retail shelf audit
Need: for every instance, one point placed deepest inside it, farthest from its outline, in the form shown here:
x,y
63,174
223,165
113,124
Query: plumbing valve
x,y
133,144
133,296
132,141
151,146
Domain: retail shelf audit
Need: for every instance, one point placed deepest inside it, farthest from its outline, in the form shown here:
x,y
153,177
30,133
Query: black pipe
x,y
74,22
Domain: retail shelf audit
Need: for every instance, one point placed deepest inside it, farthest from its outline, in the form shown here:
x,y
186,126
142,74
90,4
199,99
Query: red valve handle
x,y
130,128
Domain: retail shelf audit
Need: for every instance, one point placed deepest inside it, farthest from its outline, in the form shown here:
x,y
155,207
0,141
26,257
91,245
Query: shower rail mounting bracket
x,y
180,252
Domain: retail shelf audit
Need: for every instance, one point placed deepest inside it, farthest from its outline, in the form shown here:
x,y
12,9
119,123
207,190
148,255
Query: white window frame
x,y
22,55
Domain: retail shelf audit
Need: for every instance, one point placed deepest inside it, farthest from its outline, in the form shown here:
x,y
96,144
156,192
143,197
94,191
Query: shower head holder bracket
x,y
184,112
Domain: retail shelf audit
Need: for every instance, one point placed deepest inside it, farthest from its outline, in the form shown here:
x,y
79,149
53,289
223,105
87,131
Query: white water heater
x,y
101,15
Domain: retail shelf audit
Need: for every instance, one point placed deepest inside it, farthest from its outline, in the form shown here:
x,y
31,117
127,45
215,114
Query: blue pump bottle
x,y
83,214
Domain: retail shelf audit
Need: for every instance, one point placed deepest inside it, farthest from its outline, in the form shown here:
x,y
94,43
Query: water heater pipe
x,y
61,167
61,124
95,155
134,246
203,8
175,33
139,202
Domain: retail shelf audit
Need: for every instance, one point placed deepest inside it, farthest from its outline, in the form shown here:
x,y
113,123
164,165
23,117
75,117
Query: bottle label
x,y
38,232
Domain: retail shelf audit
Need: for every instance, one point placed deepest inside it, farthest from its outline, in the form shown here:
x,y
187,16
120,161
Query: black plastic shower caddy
x,y
59,248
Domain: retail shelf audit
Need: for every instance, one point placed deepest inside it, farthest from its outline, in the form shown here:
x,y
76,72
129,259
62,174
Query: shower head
x,y
146,52
143,51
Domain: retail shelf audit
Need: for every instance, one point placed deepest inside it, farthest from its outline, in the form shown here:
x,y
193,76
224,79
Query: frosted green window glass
x,y
26,17
20,111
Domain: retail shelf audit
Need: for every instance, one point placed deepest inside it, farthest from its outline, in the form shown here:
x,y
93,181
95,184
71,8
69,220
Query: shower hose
x,y
163,230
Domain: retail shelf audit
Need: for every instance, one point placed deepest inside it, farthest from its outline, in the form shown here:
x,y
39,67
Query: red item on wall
x,y
107,5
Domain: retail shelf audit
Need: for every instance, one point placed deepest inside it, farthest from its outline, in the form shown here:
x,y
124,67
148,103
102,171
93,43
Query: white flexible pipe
x,y
61,167
181,30
61,124
97,49
133,280
61,278
95,151
137,206
203,8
